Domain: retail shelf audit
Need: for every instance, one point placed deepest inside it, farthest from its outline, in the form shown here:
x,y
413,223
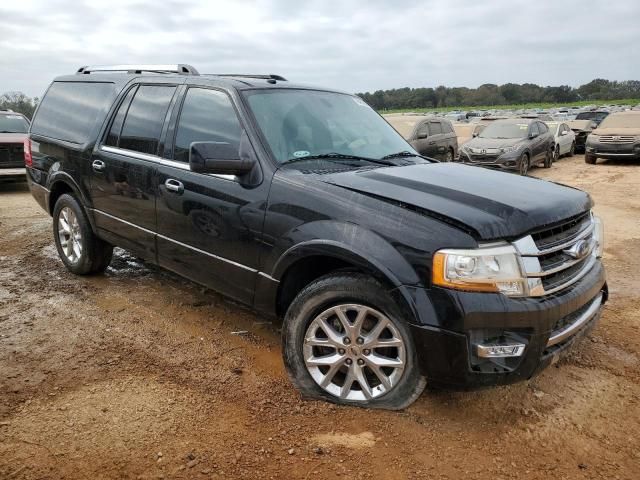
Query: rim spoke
x,y
348,383
330,374
65,226
319,342
386,342
384,380
77,249
381,361
375,332
357,324
343,320
362,381
331,333
325,360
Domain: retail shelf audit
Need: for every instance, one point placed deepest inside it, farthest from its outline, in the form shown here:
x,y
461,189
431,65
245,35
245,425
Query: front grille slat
x,y
550,256
616,139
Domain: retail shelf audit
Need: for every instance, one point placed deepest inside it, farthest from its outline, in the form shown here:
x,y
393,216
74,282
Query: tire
x,y
590,159
523,165
303,328
548,158
79,249
556,154
449,157
572,152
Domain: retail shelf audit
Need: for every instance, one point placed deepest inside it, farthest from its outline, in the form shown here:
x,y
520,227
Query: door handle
x,y
98,165
174,186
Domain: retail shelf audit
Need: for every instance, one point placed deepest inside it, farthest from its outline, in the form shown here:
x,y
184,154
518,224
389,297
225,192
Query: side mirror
x,y
532,135
219,158
564,132
422,135
475,134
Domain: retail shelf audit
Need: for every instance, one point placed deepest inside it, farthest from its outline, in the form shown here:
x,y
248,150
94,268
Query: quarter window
x,y
145,118
114,132
206,116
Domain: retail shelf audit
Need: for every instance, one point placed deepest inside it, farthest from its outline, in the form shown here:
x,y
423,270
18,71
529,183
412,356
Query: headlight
x,y
513,148
598,235
488,269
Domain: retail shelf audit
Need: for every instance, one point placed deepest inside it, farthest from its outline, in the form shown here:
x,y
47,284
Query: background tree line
x,y
507,94
19,102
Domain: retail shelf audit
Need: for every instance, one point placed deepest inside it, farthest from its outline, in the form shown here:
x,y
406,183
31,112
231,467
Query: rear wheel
x,y
548,158
523,165
78,247
449,156
344,341
556,153
590,159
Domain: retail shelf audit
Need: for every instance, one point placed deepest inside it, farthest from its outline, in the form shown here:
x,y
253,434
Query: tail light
x,y
28,159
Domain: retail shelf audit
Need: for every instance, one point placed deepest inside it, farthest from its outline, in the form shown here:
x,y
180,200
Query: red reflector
x,y
28,159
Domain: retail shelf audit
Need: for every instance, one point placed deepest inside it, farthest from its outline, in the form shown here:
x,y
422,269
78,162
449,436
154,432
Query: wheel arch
x,y
61,183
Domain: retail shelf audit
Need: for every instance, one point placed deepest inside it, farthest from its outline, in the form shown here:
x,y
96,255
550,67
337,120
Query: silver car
x,y
564,137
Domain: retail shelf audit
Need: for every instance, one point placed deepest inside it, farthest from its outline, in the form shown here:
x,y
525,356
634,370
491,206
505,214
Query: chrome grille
x,y
555,258
616,139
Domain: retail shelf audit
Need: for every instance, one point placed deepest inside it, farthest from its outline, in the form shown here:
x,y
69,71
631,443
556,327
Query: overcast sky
x,y
359,45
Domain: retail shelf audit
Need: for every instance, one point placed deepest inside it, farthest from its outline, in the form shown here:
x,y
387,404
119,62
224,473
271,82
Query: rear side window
x,y
533,130
543,127
71,111
206,116
435,128
116,126
143,124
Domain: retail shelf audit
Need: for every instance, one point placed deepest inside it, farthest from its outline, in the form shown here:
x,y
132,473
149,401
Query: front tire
x,y
78,247
523,165
449,156
344,341
548,159
572,152
590,159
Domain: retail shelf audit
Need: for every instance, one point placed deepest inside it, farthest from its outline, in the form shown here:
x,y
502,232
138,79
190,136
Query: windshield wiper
x,y
406,153
340,156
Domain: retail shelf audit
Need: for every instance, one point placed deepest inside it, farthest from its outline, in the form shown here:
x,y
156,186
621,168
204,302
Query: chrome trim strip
x,y
536,289
268,277
560,268
566,332
12,171
611,154
123,221
579,236
162,161
485,351
239,265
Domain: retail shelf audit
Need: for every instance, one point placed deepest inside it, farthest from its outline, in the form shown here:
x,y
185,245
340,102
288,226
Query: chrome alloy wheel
x,y
354,352
70,235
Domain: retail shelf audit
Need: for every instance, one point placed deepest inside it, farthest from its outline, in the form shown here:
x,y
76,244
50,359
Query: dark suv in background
x,y
13,133
430,136
388,269
512,144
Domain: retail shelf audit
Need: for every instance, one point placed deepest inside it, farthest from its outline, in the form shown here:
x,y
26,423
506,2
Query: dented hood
x,y
493,205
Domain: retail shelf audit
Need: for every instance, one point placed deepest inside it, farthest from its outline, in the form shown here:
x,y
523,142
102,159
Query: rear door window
x,y
113,138
435,128
143,124
72,111
533,129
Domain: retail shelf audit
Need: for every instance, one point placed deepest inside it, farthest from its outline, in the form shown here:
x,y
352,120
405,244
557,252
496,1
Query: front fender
x,y
348,242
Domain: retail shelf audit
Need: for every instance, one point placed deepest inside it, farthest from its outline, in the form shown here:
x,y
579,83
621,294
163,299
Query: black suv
x,y
389,269
511,144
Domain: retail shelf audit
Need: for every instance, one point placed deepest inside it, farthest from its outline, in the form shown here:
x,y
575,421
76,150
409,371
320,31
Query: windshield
x,y
304,123
592,115
13,124
505,130
621,121
553,127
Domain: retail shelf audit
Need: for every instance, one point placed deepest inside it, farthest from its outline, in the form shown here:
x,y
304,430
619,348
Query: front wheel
x,y
449,156
523,165
590,159
572,152
78,247
548,158
344,341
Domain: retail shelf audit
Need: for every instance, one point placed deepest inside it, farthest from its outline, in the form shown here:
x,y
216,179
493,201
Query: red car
x,y
13,132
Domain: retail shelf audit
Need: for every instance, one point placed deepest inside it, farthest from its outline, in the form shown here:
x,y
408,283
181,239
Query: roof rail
x,y
137,69
270,76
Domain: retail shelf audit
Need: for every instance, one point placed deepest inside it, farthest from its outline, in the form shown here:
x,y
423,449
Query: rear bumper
x,y
547,326
12,172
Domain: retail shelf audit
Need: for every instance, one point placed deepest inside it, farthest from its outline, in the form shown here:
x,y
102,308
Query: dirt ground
x,y
138,374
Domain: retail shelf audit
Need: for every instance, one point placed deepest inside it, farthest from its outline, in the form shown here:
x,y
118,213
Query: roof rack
x,y
138,69
270,76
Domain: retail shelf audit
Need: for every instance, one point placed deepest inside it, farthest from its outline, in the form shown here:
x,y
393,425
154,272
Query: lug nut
x,y
366,351
346,340
360,341
348,361
341,351
360,362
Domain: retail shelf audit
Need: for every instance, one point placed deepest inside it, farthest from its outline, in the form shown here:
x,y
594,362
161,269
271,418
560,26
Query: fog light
x,y
500,350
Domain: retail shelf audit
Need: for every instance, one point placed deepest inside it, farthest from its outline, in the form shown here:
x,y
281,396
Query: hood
x,y
479,142
492,205
12,137
580,124
621,131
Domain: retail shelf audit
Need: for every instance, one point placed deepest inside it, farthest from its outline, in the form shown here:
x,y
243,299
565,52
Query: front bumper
x,y
506,161
456,322
614,151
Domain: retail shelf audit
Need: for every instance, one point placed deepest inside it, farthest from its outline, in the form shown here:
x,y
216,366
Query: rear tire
x,y
366,306
78,247
548,158
450,156
556,153
590,159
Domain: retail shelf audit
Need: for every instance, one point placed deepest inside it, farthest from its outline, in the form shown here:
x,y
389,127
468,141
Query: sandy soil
x,y
138,374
